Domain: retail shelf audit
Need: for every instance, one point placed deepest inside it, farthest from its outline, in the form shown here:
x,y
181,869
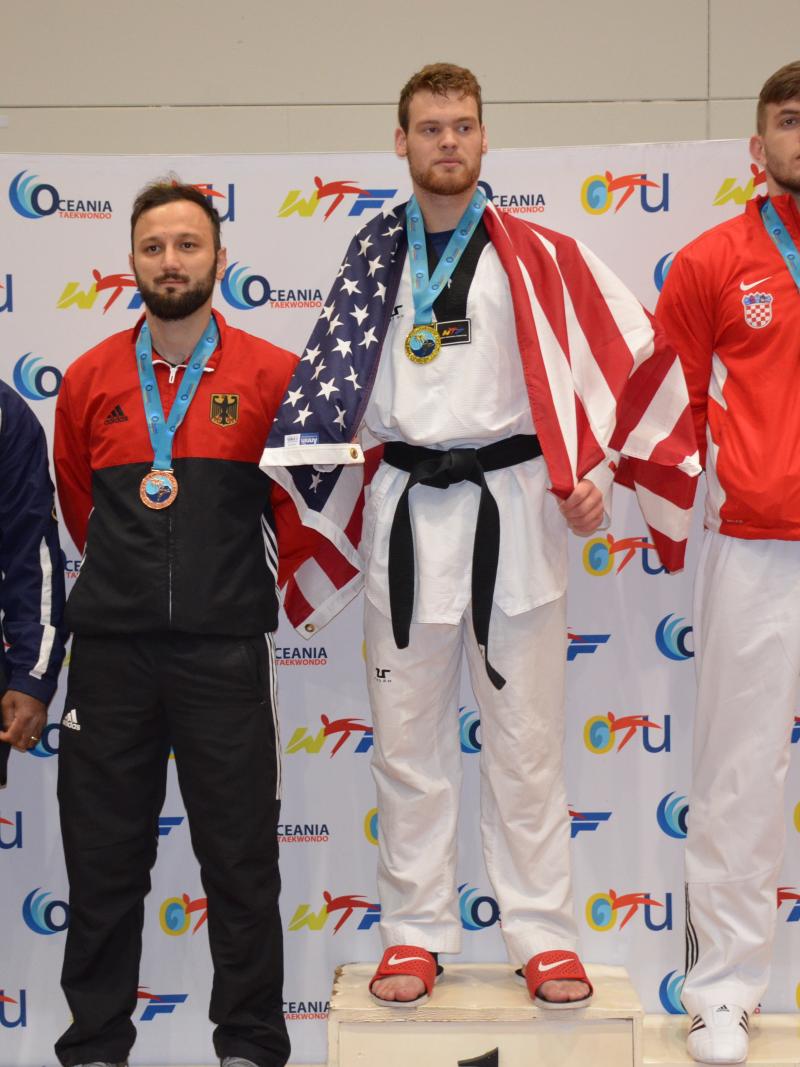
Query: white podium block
x,y
478,1015
774,1041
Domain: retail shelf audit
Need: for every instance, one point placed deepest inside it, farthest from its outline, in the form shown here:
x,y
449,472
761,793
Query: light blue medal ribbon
x,y
423,342
780,237
160,487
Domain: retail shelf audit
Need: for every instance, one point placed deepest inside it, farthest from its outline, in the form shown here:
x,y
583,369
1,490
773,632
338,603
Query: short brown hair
x,y
784,84
439,78
166,191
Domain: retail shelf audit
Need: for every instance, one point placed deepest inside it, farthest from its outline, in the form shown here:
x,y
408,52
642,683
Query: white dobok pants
x,y
417,768
747,649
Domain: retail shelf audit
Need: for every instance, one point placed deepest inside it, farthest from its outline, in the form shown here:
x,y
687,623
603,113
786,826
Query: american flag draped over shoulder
x,y
602,384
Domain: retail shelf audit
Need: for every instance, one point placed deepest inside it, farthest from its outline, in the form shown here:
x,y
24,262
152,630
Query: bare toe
x,y
402,987
562,991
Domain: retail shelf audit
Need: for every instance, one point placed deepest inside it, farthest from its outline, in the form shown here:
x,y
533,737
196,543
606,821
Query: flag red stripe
x,y
544,414
609,348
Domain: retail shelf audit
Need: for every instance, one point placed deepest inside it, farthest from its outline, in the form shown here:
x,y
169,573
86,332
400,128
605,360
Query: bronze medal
x,y
158,489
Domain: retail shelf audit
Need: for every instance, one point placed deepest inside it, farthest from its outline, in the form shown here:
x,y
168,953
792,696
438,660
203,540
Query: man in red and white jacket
x,y
731,306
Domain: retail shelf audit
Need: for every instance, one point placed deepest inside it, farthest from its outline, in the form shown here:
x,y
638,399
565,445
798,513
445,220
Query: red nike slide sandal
x,y
409,961
554,967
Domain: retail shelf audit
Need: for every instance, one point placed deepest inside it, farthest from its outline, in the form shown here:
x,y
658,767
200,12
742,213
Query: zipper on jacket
x,y
169,564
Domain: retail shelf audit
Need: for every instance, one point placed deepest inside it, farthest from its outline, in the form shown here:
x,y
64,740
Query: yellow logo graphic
x,y
730,190
224,408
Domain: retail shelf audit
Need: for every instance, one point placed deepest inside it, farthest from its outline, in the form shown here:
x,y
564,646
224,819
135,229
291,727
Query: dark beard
x,y
173,306
445,184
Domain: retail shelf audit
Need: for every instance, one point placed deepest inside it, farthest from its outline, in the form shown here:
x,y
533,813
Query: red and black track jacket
x,y
208,563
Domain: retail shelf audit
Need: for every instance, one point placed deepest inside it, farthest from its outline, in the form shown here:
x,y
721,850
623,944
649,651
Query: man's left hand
x,y
583,509
24,718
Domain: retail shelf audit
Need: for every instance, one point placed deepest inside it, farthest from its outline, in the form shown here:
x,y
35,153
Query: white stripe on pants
x,y
747,647
417,769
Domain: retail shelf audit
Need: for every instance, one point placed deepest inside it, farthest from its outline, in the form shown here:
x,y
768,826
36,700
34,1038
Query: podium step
x,y
479,1016
774,1041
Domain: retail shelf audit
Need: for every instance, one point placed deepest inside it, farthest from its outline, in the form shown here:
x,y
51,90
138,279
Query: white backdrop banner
x,y
64,285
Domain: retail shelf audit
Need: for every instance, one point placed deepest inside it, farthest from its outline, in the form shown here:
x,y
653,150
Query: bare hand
x,y
583,509
24,718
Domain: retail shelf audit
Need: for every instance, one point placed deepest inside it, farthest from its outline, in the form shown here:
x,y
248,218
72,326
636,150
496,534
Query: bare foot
x,y
562,991
404,987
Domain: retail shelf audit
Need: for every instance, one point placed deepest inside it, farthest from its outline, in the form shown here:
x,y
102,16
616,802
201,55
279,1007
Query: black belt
x,y
433,466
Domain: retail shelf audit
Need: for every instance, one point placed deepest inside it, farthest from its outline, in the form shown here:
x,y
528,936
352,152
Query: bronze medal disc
x,y
158,489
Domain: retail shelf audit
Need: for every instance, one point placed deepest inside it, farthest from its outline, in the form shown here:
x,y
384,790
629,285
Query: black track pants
x,y
129,699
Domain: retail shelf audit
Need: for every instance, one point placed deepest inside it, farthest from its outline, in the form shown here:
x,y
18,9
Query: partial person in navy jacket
x,y
31,579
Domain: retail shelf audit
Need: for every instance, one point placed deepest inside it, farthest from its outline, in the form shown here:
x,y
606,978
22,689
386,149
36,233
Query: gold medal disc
x,y
423,344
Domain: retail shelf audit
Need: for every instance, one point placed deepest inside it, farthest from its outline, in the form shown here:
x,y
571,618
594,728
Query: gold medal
x,y
423,344
158,489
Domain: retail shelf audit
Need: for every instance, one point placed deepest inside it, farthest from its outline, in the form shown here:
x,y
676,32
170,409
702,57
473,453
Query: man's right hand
x,y
24,719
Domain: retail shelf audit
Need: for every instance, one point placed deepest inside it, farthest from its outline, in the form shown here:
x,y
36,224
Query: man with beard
x,y
158,433
494,362
730,303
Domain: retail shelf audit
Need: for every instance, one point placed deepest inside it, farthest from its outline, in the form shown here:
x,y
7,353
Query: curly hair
x,y
440,79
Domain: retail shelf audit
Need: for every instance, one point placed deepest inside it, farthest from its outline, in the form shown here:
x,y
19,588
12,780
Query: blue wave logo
x,y
672,814
662,270
30,380
24,196
469,725
671,638
669,993
174,916
39,914
47,745
600,912
371,826
596,195
597,734
243,289
597,556
477,912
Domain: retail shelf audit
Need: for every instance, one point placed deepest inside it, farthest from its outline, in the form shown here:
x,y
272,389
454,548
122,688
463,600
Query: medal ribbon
x,y
781,239
162,430
425,289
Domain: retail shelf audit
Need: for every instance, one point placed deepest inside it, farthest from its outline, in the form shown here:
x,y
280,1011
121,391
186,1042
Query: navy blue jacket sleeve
x,y
31,561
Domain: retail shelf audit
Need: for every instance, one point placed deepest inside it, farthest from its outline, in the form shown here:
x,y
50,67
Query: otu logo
x,y
603,910
11,838
371,826
11,1017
